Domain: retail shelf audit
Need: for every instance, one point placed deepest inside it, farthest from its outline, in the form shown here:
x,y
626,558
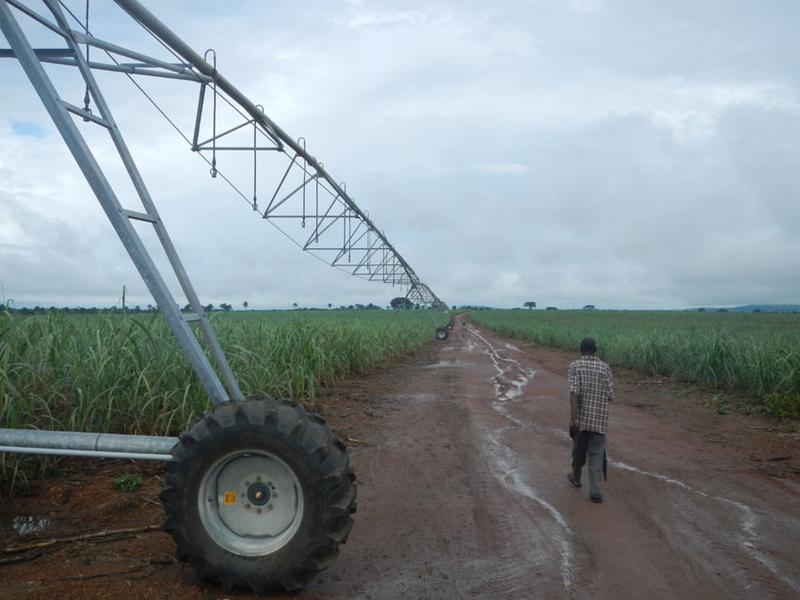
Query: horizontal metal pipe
x,y
39,52
84,453
308,217
148,65
248,148
84,114
88,444
149,72
104,45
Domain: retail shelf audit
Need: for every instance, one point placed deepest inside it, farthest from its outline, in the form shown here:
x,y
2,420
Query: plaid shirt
x,y
591,380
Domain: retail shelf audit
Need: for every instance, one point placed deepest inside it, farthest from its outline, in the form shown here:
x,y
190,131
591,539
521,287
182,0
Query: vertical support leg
x,y
147,201
119,217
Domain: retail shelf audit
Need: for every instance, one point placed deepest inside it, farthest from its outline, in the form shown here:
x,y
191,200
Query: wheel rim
x,y
250,502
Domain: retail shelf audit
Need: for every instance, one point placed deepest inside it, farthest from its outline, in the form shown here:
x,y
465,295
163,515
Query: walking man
x,y
591,387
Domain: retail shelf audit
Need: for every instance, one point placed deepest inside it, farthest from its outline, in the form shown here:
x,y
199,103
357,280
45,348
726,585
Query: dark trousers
x,y
594,445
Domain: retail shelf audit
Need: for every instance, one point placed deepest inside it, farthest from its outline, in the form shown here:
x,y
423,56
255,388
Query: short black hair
x,y
588,346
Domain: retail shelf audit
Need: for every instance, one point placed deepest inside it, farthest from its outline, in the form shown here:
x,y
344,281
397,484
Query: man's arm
x,y
610,386
574,378
573,405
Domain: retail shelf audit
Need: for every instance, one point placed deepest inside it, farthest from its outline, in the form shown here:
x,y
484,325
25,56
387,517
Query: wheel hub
x,y
251,502
258,493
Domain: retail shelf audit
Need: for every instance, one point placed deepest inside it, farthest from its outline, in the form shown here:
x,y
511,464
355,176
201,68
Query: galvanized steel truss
x,y
328,223
335,228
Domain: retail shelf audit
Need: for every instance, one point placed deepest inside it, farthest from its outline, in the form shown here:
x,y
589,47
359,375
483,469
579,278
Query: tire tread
x,y
321,451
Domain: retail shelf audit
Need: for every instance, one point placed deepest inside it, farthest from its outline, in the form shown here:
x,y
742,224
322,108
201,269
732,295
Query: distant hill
x,y
766,308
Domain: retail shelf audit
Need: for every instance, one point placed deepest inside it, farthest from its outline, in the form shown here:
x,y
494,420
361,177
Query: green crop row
x,y
755,353
126,374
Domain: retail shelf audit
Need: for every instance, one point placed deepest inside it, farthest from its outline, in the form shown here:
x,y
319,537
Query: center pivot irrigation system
x,y
259,493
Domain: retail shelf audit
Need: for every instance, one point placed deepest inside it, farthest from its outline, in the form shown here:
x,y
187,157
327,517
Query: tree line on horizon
x,y
150,308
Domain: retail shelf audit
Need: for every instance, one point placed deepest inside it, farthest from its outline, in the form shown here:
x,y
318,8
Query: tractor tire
x,y
259,495
442,333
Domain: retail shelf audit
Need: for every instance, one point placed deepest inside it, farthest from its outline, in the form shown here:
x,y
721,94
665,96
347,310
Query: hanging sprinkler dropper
x,y
213,170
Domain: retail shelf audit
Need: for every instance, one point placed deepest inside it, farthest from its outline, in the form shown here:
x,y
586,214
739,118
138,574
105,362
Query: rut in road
x,y
509,382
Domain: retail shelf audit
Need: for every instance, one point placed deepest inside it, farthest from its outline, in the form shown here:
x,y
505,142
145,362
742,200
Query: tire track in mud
x,y
509,383
747,537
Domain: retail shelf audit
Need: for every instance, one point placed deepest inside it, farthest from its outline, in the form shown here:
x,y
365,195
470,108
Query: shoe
x,y
573,481
596,498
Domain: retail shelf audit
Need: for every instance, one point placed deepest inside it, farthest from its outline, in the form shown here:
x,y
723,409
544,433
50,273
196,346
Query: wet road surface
x,y
463,493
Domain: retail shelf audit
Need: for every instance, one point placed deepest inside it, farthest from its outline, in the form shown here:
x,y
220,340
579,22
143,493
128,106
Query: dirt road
x,y
464,495
461,454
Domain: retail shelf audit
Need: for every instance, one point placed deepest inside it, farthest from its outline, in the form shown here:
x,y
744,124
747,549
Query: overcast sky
x,y
627,154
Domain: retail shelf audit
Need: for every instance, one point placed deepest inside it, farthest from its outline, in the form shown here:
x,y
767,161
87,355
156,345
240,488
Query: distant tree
x,y
294,304
245,304
530,304
208,307
589,307
225,307
551,308
330,305
401,303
